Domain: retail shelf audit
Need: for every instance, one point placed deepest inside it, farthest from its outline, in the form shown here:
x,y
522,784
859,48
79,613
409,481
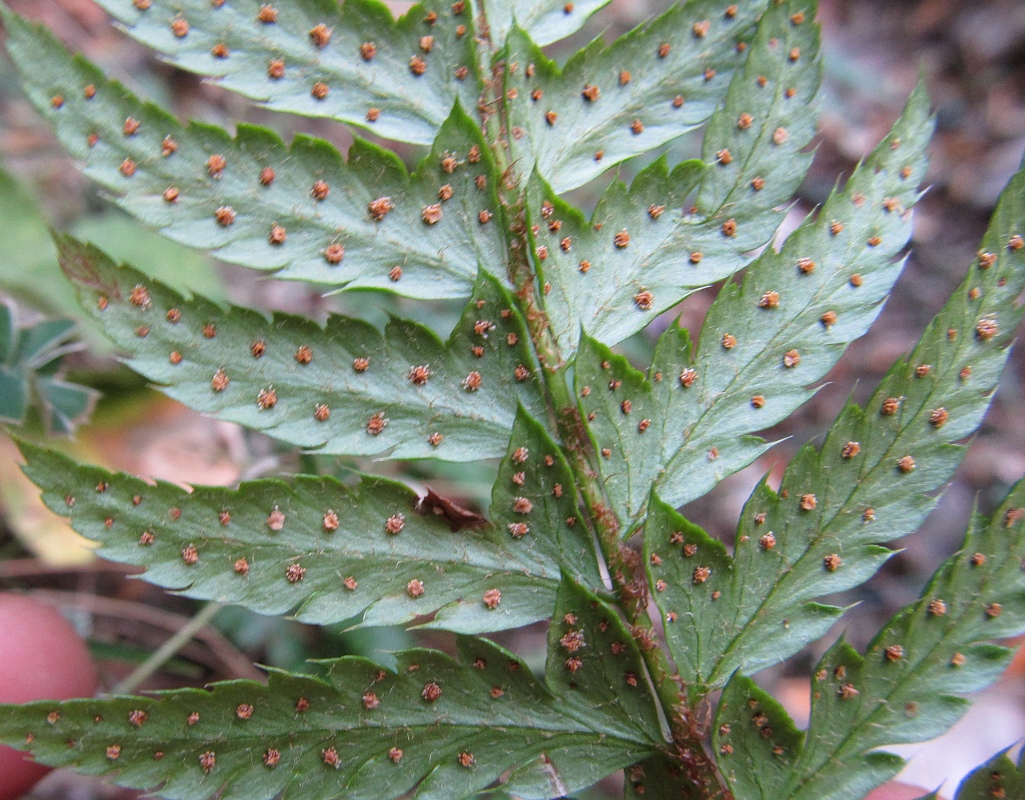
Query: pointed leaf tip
x,y
765,343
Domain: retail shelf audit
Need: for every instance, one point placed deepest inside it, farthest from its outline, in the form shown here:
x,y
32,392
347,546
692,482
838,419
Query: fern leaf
x,y
763,343
907,686
374,552
544,21
648,246
409,71
999,774
64,405
873,480
343,388
300,210
745,707
573,123
446,729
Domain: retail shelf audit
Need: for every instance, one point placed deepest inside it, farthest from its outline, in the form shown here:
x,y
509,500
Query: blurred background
x,y
972,56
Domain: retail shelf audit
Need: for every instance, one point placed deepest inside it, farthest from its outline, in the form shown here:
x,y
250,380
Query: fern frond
x,y
763,343
648,246
591,454
873,480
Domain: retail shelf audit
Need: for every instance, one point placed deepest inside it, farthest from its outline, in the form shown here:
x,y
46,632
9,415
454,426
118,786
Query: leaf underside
x,y
545,21
637,77
372,555
648,246
375,553
998,774
300,210
344,388
313,222
441,728
411,105
873,480
906,687
658,778
763,344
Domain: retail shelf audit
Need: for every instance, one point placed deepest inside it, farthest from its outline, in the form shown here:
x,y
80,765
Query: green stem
x,y
627,573
167,650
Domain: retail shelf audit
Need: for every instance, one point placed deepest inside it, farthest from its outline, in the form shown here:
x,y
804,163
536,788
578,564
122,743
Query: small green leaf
x,y
907,686
446,729
534,510
592,656
309,546
363,56
699,590
671,232
64,405
763,343
545,21
14,395
46,341
344,387
300,210
9,334
998,774
14,391
662,73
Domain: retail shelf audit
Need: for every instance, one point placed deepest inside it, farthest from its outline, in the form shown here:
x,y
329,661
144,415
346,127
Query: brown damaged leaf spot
x,y
77,264
458,517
